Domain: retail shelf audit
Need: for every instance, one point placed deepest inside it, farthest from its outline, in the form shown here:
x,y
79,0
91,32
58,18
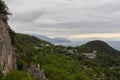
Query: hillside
x,y
105,53
58,65
100,47
28,40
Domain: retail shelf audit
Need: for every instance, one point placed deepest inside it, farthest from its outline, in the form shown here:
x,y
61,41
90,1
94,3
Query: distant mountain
x,y
43,37
72,43
66,42
53,40
114,44
60,40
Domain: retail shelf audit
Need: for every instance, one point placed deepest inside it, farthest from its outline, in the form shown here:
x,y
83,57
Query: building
x,y
90,55
70,52
37,47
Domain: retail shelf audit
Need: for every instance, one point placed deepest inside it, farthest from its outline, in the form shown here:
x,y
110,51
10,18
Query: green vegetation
x,y
1,75
106,55
26,47
62,67
17,75
99,46
58,65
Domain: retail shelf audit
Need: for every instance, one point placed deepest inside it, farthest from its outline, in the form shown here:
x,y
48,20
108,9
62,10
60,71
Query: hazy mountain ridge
x,y
67,42
52,40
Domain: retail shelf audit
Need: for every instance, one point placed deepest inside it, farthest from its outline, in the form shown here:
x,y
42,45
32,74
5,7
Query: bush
x,y
1,75
18,75
21,64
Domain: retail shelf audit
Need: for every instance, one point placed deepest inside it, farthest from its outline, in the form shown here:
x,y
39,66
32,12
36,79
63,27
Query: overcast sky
x,y
72,19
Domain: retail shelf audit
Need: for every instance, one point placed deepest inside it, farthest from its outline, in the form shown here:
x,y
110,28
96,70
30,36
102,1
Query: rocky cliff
x,y
7,52
6,49
36,72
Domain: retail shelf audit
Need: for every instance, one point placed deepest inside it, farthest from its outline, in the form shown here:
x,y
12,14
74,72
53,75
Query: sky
x,y
72,19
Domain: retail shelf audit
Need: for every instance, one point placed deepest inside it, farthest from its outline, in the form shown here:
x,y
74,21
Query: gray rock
x,y
36,72
7,61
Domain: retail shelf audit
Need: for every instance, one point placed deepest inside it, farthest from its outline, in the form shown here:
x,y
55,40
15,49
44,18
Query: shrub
x,y
1,75
18,75
20,64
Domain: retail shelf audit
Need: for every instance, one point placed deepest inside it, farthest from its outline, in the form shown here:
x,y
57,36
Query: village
x,y
68,51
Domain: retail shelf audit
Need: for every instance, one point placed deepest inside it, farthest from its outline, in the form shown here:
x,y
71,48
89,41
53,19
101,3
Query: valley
x,y
69,63
37,57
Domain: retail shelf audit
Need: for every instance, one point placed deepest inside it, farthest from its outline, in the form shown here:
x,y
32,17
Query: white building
x,y
90,55
70,52
37,47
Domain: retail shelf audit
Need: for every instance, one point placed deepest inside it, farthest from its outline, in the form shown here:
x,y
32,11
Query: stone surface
x,y
36,72
6,48
8,55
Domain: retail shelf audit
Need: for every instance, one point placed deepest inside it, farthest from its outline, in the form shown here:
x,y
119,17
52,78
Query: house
x,y
70,52
90,55
47,45
37,47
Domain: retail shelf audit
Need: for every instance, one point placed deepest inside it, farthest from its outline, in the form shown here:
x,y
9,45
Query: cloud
x,y
96,35
65,17
27,16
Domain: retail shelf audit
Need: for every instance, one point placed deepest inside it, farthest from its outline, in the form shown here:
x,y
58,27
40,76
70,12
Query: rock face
x,y
36,72
6,48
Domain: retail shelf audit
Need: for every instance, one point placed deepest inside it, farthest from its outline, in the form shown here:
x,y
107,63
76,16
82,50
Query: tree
x,y
3,8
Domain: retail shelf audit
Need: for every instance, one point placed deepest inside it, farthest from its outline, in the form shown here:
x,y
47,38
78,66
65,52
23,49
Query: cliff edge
x,y
6,49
